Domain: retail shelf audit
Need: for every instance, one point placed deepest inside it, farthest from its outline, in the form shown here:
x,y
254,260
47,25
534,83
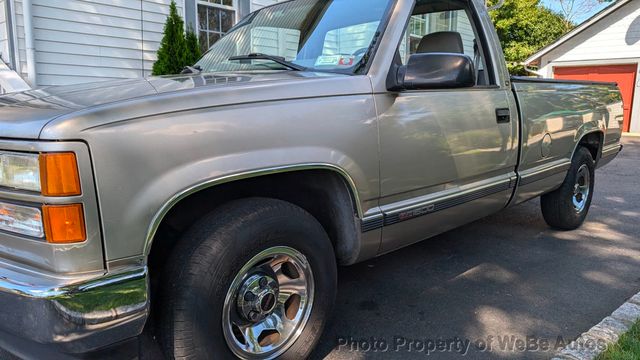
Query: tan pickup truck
x,y
208,212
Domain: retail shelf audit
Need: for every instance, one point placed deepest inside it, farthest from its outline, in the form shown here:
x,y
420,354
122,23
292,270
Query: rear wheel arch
x,y
592,141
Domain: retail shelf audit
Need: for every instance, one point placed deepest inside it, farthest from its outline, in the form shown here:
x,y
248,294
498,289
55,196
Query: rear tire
x,y
567,207
245,247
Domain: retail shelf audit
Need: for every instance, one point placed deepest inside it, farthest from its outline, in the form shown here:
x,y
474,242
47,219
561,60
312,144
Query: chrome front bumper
x,y
73,316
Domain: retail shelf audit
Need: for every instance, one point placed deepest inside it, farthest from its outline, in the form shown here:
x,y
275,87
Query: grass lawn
x,y
627,348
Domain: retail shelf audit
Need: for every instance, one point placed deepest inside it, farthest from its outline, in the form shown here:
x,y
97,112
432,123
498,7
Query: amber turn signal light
x,y
64,224
59,174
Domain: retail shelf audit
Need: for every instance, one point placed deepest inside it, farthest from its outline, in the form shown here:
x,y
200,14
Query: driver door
x,y
448,156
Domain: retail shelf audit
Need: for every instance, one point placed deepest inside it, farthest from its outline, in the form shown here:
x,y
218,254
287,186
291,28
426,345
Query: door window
x,y
428,21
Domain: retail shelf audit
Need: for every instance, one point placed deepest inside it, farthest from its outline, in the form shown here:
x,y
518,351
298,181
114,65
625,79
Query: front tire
x,y
567,207
255,279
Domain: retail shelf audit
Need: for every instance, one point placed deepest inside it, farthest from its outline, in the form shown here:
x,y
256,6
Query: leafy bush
x,y
525,27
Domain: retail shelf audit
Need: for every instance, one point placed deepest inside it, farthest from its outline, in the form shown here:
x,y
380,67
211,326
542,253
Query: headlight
x,y
21,220
20,171
51,174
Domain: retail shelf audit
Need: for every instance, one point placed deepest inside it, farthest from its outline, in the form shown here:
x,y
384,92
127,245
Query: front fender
x,y
143,166
171,186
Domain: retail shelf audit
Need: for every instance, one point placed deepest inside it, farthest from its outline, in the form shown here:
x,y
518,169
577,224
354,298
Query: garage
x,y
624,75
606,47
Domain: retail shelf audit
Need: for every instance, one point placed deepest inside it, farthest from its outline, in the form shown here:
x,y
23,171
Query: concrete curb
x,y
595,341
632,135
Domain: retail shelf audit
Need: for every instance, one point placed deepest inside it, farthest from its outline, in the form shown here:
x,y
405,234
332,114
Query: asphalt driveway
x,y
505,287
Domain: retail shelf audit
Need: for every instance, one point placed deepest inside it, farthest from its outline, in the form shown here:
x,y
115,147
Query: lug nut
x,y
264,282
249,296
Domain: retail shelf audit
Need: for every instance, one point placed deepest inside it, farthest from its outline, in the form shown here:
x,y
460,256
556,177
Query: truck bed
x,y
553,116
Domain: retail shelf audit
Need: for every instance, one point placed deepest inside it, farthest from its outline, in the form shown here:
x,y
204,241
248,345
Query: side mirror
x,y
435,71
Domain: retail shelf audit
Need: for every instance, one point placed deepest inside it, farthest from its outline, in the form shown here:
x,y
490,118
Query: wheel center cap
x,y
268,302
257,297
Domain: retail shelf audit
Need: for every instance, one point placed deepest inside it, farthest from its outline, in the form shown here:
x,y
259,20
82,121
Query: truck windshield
x,y
316,35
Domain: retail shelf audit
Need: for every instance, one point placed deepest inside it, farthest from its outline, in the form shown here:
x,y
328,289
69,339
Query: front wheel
x,y
567,207
256,279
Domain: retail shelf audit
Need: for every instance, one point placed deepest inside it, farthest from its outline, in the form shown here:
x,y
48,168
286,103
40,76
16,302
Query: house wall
x,y
613,40
4,33
19,34
90,40
617,36
80,41
465,29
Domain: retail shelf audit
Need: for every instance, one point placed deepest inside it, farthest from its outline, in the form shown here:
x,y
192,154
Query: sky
x,y
553,4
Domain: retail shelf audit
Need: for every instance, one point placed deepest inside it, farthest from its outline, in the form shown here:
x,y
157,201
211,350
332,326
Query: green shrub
x,y
176,50
193,47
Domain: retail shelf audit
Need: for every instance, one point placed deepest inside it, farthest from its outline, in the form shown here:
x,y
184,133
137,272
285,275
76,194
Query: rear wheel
x,y
256,279
567,207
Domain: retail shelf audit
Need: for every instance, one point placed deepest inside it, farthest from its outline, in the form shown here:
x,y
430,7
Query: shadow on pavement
x,y
506,275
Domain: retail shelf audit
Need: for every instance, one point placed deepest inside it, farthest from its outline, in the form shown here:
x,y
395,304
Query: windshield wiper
x,y
191,70
276,59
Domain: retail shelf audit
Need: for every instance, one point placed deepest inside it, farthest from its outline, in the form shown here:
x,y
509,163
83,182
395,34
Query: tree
x,y
193,47
172,55
575,9
524,27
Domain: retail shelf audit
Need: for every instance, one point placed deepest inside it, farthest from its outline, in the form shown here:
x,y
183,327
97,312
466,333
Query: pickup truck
x,y
204,214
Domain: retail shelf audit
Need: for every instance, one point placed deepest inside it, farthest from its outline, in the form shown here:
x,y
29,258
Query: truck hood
x,y
24,114
62,112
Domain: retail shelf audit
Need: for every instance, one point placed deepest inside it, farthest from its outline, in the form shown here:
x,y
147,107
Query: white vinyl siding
x,y
88,40
465,29
4,33
617,36
80,41
613,40
22,47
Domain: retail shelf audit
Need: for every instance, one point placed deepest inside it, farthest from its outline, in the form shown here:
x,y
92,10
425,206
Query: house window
x,y
215,18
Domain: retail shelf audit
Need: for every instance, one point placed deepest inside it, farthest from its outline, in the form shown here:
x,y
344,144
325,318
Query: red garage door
x,y
624,75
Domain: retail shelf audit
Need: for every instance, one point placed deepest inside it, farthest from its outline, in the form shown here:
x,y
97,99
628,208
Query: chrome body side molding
x,y
421,208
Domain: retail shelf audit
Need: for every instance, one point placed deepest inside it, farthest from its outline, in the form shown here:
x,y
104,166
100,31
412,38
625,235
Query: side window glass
x,y
423,32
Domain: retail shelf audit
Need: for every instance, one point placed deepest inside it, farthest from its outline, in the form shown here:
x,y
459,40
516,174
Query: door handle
x,y
503,116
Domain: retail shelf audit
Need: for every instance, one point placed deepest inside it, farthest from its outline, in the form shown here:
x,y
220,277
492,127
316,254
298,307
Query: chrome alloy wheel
x,y
581,189
268,304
